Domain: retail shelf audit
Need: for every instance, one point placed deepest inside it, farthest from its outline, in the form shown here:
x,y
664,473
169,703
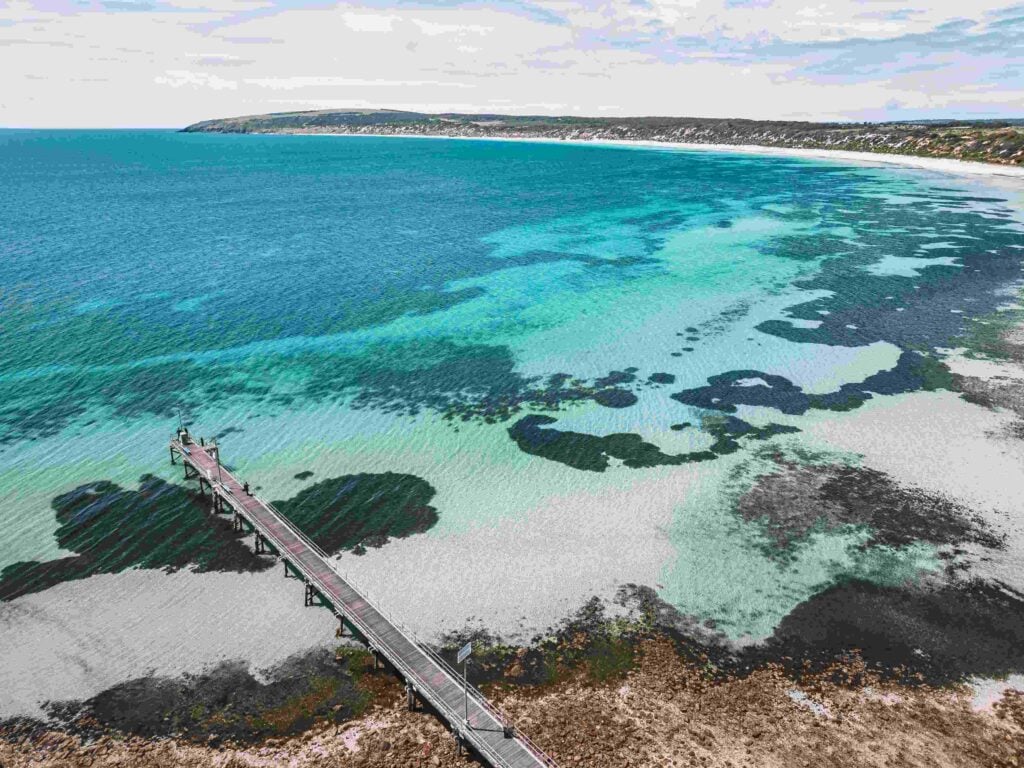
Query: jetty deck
x,y
428,677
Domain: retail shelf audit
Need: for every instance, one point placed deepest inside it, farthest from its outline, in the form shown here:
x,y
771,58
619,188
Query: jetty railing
x,y
422,687
475,693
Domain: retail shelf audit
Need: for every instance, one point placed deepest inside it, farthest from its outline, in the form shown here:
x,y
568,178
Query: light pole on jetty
x,y
464,654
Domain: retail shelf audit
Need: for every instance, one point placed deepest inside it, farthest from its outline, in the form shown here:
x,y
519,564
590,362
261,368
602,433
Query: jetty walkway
x,y
428,678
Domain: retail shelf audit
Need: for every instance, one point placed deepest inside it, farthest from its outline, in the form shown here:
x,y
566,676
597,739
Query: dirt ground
x,y
663,712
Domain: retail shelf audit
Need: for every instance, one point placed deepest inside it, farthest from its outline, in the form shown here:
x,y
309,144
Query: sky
x,y
168,63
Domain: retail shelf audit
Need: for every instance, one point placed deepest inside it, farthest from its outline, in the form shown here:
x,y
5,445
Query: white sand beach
x,y
936,164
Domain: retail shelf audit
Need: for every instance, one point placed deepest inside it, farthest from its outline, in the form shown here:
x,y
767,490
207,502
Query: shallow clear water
x,y
368,305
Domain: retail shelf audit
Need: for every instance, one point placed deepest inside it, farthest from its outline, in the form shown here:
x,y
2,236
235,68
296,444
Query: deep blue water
x,y
121,247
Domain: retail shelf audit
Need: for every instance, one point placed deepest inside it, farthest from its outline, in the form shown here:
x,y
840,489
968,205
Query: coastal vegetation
x,y
635,692
228,703
983,141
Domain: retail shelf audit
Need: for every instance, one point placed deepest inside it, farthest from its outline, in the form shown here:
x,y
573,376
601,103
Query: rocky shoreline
x,y
999,143
640,698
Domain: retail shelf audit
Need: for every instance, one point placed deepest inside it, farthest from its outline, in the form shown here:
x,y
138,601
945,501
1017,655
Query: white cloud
x,y
369,22
433,28
177,78
296,83
218,59
194,59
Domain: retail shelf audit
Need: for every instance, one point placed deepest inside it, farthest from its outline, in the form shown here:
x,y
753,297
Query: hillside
x,y
986,141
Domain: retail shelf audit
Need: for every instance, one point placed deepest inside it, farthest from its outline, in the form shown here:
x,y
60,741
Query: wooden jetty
x,y
428,678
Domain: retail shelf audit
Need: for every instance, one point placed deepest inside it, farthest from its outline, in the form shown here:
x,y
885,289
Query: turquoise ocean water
x,y
509,323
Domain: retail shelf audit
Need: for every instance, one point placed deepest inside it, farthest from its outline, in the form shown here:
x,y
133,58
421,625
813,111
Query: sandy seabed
x,y
79,638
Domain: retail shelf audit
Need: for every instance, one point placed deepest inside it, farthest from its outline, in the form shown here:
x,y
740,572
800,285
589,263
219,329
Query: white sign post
x,y
463,658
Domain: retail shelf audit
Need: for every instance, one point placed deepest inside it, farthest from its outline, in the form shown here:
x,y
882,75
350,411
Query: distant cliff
x,y
985,141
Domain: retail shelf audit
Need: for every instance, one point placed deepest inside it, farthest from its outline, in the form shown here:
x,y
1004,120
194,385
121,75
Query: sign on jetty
x,y
474,721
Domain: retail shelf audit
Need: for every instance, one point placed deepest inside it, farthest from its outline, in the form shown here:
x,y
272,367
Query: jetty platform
x,y
475,723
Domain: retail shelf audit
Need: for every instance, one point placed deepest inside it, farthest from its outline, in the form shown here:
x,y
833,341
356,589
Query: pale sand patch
x,y
941,443
989,692
813,705
1015,336
350,737
978,368
957,452
889,698
516,576
79,638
